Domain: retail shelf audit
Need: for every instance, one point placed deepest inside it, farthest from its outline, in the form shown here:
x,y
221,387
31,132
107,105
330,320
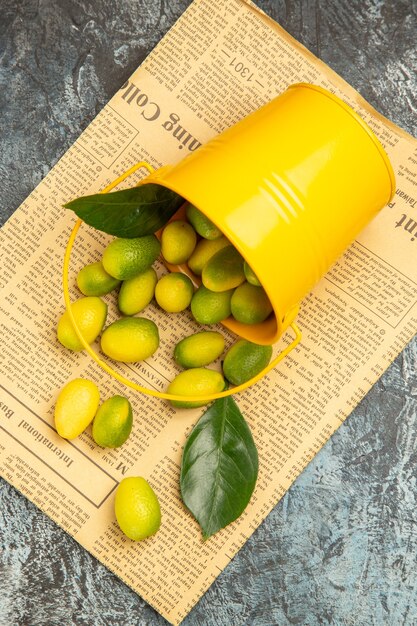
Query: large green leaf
x,y
128,213
219,467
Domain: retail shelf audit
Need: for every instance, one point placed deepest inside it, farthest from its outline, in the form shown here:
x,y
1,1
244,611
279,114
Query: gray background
x,y
340,548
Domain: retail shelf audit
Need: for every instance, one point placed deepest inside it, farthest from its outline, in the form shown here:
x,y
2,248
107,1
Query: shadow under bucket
x,y
290,186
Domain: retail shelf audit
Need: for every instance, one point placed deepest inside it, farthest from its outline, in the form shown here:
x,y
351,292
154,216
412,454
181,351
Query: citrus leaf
x,y
219,467
128,213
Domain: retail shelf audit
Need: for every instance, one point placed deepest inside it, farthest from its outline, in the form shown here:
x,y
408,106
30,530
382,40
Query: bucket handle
x,y
122,379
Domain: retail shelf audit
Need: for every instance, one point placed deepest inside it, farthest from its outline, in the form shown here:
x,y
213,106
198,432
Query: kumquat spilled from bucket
x,y
224,291
242,226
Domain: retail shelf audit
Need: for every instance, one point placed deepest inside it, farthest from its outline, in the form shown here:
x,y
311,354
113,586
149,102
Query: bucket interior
x,y
263,333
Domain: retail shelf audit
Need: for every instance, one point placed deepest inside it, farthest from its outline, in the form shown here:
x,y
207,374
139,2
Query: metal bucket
x,y
290,186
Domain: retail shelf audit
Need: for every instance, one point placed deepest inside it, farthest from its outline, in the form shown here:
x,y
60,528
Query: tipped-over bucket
x,y
290,186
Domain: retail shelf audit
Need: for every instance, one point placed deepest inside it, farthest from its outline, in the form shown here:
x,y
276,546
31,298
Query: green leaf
x,y
128,213
219,467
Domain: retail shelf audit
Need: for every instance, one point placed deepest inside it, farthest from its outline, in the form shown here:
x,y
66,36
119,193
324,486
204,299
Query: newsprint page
x,y
219,62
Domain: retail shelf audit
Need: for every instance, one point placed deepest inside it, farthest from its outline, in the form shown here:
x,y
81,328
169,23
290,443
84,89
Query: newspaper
x,y
218,63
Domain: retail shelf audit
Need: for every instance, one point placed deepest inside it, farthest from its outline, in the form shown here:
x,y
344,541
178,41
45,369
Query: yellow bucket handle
x,y
122,379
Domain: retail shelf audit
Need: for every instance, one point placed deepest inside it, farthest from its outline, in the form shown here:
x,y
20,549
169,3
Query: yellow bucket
x,y
290,186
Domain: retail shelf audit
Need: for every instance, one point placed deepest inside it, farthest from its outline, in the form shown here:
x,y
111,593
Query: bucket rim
x,y
274,324
348,109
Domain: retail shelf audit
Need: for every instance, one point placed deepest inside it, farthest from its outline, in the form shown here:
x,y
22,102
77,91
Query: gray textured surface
x,y
341,548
